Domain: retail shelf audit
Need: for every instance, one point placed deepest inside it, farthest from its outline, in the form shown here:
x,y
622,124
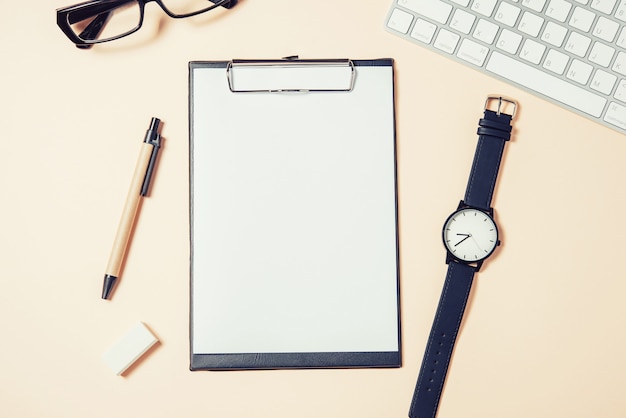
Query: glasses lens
x,y
186,7
105,20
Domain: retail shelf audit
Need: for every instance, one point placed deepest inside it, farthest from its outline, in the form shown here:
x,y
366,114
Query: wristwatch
x,y
470,235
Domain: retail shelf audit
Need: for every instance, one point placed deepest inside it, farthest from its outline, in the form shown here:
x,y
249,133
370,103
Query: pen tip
x,y
107,286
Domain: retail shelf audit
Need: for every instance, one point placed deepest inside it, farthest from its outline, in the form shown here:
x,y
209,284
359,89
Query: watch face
x,y
470,235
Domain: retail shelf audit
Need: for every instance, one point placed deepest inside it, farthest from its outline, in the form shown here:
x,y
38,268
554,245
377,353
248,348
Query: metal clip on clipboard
x,y
291,75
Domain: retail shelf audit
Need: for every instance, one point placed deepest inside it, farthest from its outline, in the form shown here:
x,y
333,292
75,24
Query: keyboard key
x,y
577,44
582,19
603,82
554,34
604,6
484,7
606,29
509,41
531,24
423,31
447,41
432,9
472,52
558,9
400,21
462,21
546,84
556,61
620,92
619,66
536,5
620,13
579,72
621,39
507,14
485,31
601,54
616,115
532,51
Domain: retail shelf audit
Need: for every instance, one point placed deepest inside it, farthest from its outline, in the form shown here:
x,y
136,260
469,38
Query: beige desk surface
x,y
544,332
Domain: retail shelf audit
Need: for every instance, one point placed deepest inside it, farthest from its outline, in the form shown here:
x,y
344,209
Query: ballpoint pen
x,y
138,188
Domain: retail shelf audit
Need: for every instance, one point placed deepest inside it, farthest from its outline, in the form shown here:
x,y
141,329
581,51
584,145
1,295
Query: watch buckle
x,y
501,100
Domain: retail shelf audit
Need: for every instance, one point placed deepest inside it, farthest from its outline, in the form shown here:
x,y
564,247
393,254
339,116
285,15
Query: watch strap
x,y
440,345
494,129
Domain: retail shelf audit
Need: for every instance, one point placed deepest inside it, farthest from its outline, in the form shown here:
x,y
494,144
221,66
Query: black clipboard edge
x,y
269,361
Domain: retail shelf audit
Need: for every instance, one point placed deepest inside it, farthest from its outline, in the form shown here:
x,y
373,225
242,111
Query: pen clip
x,y
153,138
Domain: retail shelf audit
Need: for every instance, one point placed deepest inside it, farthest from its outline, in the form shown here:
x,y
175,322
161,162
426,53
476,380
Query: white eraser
x,y
129,348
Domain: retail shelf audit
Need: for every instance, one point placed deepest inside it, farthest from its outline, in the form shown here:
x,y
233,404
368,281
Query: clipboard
x,y
293,215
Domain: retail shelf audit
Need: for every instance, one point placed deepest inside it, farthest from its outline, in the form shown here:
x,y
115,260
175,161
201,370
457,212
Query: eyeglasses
x,y
96,21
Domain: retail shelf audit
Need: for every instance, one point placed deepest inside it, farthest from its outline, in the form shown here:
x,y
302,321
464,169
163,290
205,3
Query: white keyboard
x,y
571,52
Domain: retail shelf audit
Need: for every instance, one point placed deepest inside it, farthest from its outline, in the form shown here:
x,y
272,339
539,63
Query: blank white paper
x,y
294,226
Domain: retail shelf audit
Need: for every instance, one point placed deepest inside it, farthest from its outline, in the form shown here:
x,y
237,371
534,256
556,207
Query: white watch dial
x,y
470,235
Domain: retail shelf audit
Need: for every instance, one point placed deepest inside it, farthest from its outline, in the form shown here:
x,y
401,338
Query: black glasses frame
x,y
102,10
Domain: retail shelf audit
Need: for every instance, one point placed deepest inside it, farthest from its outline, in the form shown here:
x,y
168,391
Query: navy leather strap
x,y
440,346
494,129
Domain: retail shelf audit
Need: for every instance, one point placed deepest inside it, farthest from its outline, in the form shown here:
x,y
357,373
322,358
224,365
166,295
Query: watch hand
x,y
463,235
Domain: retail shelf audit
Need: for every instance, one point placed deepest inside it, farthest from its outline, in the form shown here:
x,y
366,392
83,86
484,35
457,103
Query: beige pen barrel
x,y
130,211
